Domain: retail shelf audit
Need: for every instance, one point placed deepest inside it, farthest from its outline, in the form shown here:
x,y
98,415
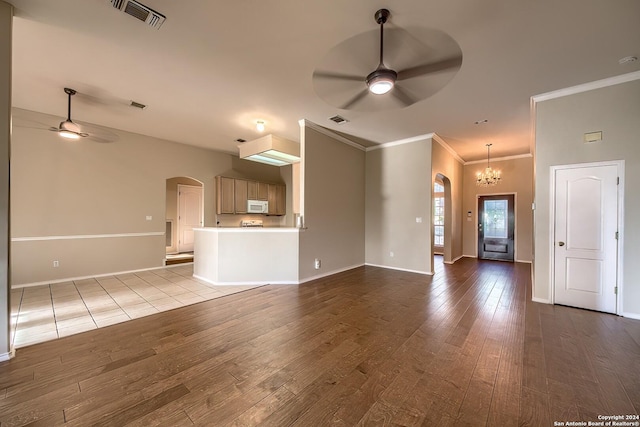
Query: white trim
x,y
330,134
598,84
7,356
401,142
620,244
454,260
259,283
470,256
631,315
541,300
524,261
86,236
320,276
427,273
447,147
69,279
500,159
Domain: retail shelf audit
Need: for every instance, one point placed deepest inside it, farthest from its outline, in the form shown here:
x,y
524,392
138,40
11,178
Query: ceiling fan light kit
x,y
388,86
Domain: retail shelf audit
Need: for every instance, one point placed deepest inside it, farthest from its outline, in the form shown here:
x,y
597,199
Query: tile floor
x,y
47,312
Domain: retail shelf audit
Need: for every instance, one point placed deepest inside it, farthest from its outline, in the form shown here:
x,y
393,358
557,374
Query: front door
x,y
189,215
585,237
496,220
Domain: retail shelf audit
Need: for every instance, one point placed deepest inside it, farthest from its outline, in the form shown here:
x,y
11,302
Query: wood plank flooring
x,y
365,347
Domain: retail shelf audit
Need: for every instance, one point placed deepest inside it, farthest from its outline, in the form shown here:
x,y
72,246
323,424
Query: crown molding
x,y
598,84
402,141
447,147
500,159
329,133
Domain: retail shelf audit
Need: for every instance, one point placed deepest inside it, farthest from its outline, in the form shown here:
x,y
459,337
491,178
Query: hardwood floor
x,y
365,347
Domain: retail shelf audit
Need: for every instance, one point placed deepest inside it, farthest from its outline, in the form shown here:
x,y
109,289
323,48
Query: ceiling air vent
x,y
339,120
140,12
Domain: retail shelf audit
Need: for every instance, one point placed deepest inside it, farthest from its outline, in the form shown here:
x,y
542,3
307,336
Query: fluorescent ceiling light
x,y
271,150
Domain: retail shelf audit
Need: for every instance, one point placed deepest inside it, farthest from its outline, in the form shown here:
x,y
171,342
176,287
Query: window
x,y
438,214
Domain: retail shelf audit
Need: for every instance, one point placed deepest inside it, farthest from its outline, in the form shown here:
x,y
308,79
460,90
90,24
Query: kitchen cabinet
x,y
225,195
233,194
263,191
252,190
241,195
277,199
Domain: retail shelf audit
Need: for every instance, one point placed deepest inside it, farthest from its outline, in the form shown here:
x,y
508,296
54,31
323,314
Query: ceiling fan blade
x,y
353,101
403,96
337,76
433,67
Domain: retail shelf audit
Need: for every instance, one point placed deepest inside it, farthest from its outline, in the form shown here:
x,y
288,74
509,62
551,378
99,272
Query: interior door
x,y
189,215
496,224
585,229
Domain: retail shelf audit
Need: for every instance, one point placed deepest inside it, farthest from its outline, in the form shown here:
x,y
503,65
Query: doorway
x,y
586,208
496,227
184,212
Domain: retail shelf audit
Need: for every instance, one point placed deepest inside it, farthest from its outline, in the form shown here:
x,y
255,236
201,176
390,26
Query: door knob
x,y
560,243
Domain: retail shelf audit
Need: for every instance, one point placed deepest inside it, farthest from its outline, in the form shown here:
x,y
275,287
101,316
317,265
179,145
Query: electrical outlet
x,y
56,264
149,218
317,264
419,219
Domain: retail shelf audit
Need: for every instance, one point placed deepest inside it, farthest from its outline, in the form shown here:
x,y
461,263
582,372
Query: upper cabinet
x,y
233,194
241,195
277,196
225,189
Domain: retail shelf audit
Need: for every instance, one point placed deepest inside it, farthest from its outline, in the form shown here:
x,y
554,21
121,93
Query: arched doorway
x,y
184,212
442,217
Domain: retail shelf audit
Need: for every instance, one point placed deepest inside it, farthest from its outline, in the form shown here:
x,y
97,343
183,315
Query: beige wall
x,y
67,193
398,190
333,206
517,178
560,125
444,164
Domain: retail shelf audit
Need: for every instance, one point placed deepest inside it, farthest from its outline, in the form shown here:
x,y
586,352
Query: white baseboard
x,y
524,261
400,269
254,283
328,273
6,356
631,315
541,300
454,260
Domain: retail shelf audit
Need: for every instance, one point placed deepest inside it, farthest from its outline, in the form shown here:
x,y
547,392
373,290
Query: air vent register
x,y
140,12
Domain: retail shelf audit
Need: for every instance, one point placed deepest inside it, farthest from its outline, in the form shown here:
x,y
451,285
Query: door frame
x,y
552,221
178,221
515,220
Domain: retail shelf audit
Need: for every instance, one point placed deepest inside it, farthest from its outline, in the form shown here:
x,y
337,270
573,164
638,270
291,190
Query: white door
x,y
189,215
585,247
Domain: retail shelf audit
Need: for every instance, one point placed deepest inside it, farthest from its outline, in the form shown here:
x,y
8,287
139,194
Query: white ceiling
x,y
214,68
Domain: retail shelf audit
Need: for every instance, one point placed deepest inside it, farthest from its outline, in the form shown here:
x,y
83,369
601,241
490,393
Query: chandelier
x,y
489,176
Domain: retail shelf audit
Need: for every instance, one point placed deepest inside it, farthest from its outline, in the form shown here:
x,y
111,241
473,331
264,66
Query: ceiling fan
x,y
72,130
386,87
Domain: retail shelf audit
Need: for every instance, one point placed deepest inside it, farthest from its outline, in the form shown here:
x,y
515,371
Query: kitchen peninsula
x,y
241,256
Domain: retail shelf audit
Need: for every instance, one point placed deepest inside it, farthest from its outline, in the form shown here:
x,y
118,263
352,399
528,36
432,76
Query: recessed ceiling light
x,y
260,126
480,122
627,59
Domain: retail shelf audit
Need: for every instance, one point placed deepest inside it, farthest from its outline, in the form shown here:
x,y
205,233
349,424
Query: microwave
x,y
257,206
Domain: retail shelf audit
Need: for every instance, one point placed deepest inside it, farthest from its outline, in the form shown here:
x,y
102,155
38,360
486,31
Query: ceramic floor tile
x,y
24,338
106,301
99,316
76,329
112,320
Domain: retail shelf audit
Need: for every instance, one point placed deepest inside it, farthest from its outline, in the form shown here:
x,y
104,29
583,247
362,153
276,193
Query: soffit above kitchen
x,y
213,68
